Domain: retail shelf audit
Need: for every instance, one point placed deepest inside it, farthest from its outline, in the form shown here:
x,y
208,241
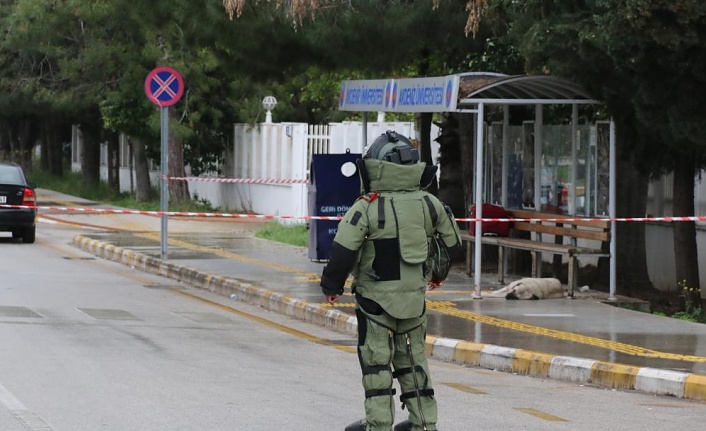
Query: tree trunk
x,y
631,259
685,249
178,190
143,188
52,145
631,194
113,162
424,127
90,157
451,177
5,143
423,121
27,136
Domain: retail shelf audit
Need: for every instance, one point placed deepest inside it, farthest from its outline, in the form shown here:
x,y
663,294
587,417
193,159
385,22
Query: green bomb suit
x,y
383,240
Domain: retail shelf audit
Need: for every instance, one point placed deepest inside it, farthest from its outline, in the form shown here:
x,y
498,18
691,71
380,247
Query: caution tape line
x,y
167,213
269,216
582,219
239,180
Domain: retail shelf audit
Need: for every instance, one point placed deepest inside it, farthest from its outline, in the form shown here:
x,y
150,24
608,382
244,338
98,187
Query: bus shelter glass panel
x,y
494,164
555,170
520,165
602,168
557,165
528,168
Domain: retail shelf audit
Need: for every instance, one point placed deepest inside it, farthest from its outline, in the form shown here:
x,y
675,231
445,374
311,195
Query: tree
x,y
298,11
662,47
25,75
643,59
55,58
222,68
404,39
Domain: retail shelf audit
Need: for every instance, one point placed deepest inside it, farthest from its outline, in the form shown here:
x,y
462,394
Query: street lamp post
x,y
269,103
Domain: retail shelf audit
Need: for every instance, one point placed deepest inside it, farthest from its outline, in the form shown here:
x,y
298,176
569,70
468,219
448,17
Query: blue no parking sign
x,y
164,86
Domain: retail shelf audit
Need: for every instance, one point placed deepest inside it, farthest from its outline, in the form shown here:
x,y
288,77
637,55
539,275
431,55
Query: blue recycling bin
x,y
334,185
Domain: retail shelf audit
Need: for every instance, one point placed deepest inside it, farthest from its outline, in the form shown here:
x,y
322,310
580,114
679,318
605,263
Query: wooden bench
x,y
563,241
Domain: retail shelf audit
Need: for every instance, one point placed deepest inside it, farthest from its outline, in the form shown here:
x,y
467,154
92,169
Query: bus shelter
x,y
523,166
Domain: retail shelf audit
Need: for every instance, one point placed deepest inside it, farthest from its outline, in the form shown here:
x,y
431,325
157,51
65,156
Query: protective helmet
x,y
394,148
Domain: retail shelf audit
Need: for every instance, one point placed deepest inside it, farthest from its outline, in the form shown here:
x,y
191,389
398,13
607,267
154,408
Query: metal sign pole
x,y
164,87
480,139
165,171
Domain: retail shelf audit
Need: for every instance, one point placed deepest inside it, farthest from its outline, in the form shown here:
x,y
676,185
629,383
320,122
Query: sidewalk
x,y
582,340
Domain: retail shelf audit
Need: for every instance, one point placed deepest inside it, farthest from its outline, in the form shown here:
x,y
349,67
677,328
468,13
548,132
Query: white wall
x,y
265,151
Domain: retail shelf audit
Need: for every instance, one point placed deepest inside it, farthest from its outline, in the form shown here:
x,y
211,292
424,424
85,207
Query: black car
x,y
15,190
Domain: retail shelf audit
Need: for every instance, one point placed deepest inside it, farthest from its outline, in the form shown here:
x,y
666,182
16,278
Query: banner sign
x,y
365,95
436,94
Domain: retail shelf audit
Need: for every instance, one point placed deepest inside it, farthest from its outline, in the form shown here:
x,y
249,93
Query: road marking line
x,y
540,414
26,417
9,400
465,388
549,315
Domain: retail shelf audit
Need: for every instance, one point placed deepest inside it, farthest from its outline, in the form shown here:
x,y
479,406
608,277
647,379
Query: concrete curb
x,y
525,362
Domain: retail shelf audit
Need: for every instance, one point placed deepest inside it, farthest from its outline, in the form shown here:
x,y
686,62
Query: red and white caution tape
x,y
581,219
239,180
167,213
260,216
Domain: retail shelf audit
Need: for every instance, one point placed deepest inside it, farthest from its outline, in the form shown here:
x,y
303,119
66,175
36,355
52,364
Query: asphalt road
x,y
87,344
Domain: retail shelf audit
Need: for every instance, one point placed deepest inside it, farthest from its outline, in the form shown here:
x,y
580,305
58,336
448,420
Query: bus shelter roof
x,y
500,89
459,92
469,93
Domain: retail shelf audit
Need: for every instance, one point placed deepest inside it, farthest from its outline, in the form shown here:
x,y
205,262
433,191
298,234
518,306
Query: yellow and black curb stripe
x,y
565,368
526,362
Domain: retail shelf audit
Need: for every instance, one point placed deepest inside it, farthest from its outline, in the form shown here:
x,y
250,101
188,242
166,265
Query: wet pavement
x,y
588,326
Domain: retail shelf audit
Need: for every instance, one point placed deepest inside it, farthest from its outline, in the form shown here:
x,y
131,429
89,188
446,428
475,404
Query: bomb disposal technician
x,y
396,240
